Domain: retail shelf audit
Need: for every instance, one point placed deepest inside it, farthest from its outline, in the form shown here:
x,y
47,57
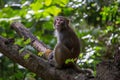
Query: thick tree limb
x,y
24,32
106,70
110,69
34,63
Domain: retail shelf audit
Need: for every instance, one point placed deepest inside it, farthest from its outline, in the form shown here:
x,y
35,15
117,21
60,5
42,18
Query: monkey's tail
x,y
84,71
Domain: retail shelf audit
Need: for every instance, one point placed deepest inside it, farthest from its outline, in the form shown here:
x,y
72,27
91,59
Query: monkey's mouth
x,y
58,27
58,24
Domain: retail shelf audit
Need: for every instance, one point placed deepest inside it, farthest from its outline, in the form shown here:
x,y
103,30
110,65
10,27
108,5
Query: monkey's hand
x,y
51,59
47,53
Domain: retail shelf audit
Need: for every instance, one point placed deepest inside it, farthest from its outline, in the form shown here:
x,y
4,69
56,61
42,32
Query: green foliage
x,y
17,75
27,41
32,74
95,22
26,56
21,50
40,54
69,60
19,41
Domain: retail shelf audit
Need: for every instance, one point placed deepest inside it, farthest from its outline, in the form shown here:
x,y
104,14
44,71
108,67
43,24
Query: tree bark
x,y
34,63
106,70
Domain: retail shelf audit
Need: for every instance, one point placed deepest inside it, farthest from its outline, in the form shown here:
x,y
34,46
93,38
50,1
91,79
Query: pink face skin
x,y
59,23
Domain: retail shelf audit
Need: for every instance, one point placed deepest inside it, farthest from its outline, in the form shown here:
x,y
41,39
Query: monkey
x,y
66,48
68,44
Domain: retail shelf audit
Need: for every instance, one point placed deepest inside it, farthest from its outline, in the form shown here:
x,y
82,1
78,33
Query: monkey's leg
x,y
61,54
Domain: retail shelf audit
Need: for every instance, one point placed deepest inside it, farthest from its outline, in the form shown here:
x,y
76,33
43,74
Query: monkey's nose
x,y
58,23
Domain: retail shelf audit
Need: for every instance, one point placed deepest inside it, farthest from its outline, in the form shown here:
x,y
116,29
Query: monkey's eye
x,y
57,19
61,21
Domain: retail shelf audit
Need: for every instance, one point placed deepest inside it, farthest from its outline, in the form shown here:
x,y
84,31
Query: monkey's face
x,y
60,23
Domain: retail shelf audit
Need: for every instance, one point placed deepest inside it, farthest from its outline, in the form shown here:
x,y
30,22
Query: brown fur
x,y
68,45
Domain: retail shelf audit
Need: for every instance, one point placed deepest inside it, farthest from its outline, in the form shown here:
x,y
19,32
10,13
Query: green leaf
x,y
26,56
48,26
81,55
53,10
21,50
19,75
67,11
69,60
1,78
40,54
97,48
61,3
110,28
27,41
31,75
64,2
37,5
19,41
48,2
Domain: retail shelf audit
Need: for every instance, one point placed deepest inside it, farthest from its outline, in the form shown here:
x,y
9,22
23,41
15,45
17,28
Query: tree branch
x,y
34,63
106,70
24,32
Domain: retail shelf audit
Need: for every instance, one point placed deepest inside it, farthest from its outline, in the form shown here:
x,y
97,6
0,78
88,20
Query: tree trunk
x,y
106,70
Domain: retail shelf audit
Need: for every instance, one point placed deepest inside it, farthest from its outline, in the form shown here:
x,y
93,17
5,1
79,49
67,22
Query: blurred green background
x,y
96,22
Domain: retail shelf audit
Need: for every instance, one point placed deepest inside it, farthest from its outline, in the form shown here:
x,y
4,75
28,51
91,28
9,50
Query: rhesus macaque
x,y
68,45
